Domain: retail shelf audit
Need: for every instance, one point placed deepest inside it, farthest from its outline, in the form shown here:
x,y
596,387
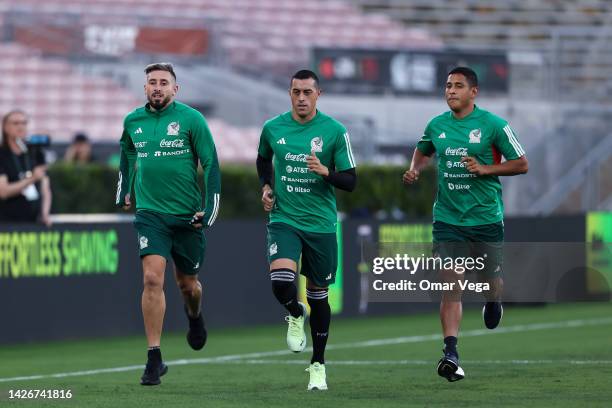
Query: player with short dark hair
x,y
161,146
469,211
312,156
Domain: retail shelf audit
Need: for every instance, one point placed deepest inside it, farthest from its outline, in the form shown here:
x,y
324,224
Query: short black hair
x,y
468,73
160,66
305,74
80,137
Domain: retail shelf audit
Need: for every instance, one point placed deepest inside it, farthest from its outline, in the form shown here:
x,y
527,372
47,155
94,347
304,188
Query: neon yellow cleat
x,y
296,338
317,377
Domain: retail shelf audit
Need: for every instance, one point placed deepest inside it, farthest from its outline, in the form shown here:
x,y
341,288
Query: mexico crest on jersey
x,y
173,129
475,136
316,144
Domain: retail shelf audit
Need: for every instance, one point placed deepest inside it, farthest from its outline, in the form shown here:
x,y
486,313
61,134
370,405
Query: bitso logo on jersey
x,y
316,144
173,129
475,136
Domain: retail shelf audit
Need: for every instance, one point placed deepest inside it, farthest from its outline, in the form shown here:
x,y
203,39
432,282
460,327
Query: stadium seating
x,y
270,38
59,100
260,36
570,35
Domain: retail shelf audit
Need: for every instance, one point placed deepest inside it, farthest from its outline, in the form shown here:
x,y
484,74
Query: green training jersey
x,y
464,198
303,199
159,157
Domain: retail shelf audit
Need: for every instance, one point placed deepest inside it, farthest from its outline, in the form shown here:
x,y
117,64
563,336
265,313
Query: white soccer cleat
x,y
296,338
318,379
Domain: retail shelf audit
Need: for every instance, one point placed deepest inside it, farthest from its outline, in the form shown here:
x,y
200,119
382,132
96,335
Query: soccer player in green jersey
x,y
161,146
312,156
468,211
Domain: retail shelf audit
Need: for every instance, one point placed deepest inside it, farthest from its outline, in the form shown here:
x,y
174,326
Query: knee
x,y
153,280
282,283
189,286
280,286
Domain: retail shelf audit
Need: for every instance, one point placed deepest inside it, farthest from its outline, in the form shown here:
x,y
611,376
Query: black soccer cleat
x,y
448,367
152,373
492,313
197,335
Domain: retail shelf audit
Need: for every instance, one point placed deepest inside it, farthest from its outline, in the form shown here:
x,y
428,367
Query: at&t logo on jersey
x,y
455,165
316,144
291,169
173,129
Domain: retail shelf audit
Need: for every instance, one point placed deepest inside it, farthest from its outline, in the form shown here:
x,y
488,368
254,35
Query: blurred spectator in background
x,y
79,152
25,193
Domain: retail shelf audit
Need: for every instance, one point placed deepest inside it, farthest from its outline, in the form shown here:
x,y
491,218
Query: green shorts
x,y
319,251
171,237
484,241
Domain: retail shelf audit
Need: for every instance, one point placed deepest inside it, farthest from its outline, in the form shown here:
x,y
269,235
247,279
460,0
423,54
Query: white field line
x,y
359,344
418,362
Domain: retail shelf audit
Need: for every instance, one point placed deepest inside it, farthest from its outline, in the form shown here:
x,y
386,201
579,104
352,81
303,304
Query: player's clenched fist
x,y
472,165
410,176
267,198
314,165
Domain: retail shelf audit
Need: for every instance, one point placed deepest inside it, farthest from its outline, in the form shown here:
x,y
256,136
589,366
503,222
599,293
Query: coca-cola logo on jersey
x,y
458,151
296,157
172,143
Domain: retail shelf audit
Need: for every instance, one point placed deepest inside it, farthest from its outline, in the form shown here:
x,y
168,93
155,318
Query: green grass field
x,y
557,356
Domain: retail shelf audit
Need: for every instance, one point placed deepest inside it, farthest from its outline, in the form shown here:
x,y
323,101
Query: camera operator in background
x,y
25,193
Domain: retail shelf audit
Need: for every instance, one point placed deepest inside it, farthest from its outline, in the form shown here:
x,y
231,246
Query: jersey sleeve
x,y
506,142
264,149
343,154
204,146
425,145
127,161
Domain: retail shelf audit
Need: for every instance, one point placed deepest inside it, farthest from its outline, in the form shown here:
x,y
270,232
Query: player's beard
x,y
159,105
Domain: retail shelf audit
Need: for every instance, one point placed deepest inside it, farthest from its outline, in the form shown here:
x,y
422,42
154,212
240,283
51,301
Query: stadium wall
x,y
84,280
